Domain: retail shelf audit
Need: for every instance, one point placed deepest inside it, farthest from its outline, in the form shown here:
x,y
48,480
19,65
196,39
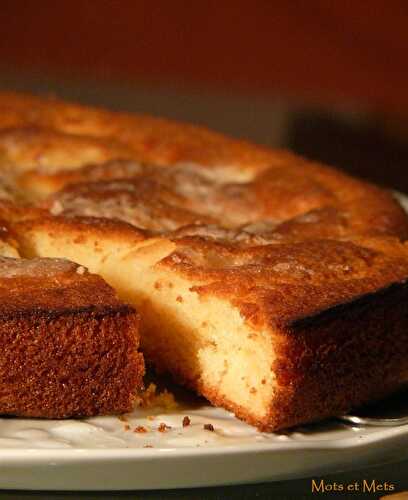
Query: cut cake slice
x,y
68,344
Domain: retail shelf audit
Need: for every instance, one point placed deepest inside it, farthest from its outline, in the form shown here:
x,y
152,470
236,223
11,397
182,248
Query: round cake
x,y
273,286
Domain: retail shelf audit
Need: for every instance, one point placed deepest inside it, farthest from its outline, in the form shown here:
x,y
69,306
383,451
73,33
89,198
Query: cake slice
x,y
279,334
68,344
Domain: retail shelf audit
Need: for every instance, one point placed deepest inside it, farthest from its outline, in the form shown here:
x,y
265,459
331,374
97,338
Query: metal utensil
x,y
389,412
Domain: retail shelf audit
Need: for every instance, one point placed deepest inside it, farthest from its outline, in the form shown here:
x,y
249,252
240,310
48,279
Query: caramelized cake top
x,y
270,230
54,286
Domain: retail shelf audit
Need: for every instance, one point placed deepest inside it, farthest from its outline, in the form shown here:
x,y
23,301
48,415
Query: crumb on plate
x,y
163,427
140,429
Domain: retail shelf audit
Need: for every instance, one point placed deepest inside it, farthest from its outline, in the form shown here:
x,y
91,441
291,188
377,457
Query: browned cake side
x,y
343,358
274,286
68,345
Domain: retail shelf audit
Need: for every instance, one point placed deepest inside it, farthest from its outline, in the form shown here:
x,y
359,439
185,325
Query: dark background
x,y
326,78
324,51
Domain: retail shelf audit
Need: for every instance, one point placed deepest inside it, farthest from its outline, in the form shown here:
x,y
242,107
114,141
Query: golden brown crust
x,y
54,143
304,252
69,346
72,364
82,226
155,140
32,147
280,283
275,205
54,286
342,358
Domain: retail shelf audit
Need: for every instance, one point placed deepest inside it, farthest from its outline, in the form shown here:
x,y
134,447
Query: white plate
x,y
105,453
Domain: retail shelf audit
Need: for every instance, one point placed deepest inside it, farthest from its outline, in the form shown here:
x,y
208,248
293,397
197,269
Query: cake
x,y
68,344
273,286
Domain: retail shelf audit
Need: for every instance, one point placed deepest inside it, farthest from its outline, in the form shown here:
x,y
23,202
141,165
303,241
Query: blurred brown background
x,y
327,78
